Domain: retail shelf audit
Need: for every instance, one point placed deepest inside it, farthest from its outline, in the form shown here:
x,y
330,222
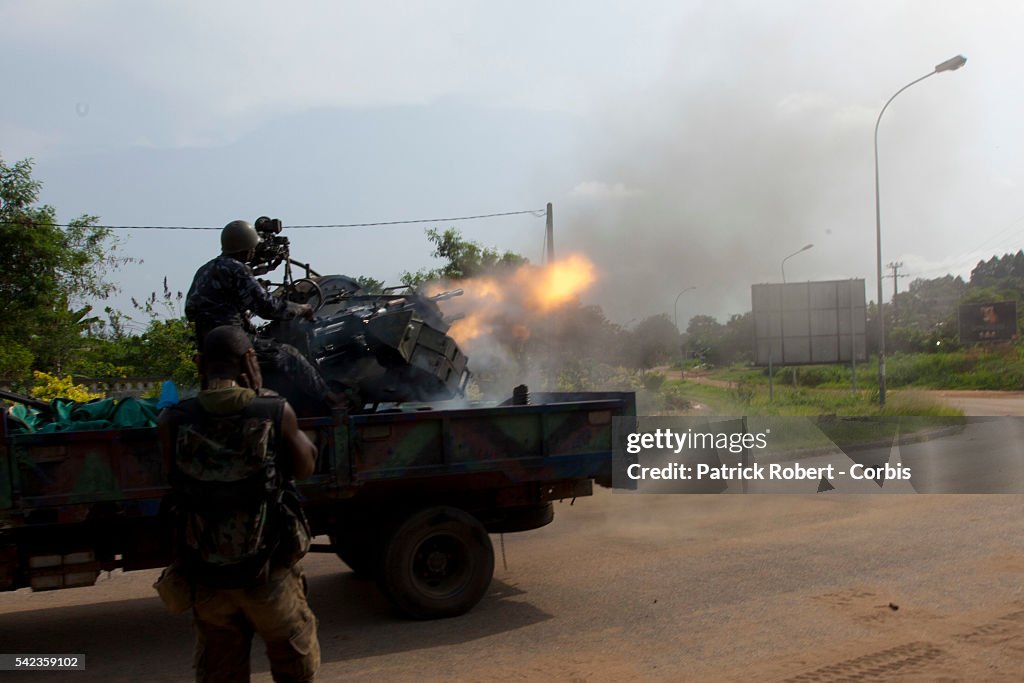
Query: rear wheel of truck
x,y
437,563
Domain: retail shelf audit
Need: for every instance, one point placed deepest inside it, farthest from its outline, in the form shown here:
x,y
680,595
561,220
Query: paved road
x,y
639,587
976,455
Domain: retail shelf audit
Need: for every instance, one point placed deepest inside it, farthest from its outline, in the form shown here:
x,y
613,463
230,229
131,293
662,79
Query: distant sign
x,y
809,322
988,322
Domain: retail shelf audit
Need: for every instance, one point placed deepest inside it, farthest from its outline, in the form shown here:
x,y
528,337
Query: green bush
x,y
978,367
817,375
743,392
999,367
652,381
672,397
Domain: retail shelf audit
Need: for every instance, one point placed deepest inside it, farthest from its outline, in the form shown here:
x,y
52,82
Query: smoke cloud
x,y
759,141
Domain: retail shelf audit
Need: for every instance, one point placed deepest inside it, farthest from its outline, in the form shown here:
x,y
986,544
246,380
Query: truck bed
x,y
100,492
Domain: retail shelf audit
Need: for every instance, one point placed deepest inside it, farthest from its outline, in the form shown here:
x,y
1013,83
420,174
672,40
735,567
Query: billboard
x,y
988,322
809,322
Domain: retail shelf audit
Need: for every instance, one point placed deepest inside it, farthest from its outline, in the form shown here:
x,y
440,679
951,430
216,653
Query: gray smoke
x,y
758,141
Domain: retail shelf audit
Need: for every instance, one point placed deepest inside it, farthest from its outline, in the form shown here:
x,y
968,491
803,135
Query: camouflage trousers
x,y
227,619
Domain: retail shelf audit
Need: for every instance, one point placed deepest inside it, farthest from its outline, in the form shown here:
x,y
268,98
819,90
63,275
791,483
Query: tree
x,y
704,336
1003,272
737,342
922,315
463,259
163,349
370,285
51,272
656,341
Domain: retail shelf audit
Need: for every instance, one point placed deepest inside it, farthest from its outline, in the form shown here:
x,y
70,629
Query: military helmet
x,y
238,236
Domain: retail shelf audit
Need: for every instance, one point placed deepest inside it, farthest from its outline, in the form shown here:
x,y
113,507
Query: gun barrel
x,y
443,296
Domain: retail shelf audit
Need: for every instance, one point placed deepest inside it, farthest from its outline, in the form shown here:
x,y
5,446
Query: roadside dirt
x,y
983,403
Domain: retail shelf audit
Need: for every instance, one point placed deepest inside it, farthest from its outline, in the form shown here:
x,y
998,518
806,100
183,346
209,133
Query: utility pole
x,y
895,266
549,235
549,258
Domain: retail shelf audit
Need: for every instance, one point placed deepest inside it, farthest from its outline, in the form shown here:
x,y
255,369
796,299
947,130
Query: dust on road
x,y
641,587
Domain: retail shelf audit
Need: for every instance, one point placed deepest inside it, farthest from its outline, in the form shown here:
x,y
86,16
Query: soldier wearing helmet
x,y
225,291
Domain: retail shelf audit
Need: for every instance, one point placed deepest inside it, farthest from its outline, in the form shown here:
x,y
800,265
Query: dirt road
x,y
984,402
641,587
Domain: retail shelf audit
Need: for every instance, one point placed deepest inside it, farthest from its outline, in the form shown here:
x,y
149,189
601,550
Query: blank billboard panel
x,y
795,323
825,349
824,322
809,322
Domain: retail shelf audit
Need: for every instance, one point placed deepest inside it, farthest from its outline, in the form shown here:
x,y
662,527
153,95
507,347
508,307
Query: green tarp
x,y
65,415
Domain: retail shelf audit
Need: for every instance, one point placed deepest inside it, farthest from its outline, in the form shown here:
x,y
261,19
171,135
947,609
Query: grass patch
x,y
677,397
998,368
803,419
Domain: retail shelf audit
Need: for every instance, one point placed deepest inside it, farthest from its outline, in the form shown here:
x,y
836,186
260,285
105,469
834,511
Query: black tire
x,y
438,563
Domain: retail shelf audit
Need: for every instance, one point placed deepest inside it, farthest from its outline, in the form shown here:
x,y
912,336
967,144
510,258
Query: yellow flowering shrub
x,y
49,387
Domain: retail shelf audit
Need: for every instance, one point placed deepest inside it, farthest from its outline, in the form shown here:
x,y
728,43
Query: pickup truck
x,y
407,496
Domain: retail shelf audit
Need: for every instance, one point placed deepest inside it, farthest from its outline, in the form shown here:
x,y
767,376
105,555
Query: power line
x,y
537,213
1000,236
997,236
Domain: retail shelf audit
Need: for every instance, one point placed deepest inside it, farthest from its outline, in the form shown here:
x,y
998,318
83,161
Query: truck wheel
x,y
438,563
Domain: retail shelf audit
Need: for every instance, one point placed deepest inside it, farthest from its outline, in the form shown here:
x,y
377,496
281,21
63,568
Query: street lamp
x,y
949,65
798,251
783,266
675,308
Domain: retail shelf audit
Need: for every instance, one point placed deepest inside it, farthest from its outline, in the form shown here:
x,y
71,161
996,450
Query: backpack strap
x,y
271,408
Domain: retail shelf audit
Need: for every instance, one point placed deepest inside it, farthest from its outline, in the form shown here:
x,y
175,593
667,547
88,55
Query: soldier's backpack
x,y
235,515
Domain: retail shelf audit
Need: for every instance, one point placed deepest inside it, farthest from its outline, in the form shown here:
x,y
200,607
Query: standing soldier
x,y
232,456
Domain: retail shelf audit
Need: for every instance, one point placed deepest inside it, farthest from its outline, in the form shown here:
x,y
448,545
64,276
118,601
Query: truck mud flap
x,y
70,570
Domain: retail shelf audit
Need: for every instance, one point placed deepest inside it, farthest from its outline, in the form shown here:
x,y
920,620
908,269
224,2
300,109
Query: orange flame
x,y
504,306
468,328
562,281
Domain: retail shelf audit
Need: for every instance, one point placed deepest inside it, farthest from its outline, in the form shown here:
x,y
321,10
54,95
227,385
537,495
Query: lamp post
x,y
951,64
675,308
802,249
798,251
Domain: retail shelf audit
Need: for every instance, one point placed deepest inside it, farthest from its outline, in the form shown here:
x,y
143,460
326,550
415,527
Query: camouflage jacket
x,y
225,292
226,482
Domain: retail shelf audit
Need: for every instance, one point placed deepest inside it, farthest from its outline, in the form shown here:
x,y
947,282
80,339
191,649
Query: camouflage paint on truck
x,y
74,503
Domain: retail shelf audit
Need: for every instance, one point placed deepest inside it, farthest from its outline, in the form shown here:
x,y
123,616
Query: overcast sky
x,y
682,143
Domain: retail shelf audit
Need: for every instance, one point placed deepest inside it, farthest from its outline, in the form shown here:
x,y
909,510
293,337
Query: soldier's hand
x,y
305,311
251,376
